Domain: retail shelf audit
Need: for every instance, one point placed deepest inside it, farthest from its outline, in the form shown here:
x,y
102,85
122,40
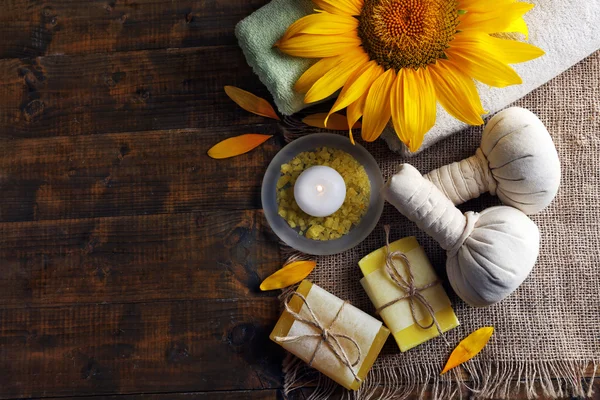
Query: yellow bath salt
x,y
358,192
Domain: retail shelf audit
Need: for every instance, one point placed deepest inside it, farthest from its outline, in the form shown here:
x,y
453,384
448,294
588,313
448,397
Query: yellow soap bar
x,y
397,317
369,333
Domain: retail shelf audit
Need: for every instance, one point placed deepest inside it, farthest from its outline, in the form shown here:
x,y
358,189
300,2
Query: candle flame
x,y
320,188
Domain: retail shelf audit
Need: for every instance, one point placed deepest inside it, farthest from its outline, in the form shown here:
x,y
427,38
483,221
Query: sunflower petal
x,y
340,7
518,26
288,275
315,72
452,84
250,102
321,24
377,106
357,84
494,19
355,111
483,6
337,122
319,46
468,348
480,63
337,76
413,106
506,50
420,102
237,145
512,51
397,106
475,5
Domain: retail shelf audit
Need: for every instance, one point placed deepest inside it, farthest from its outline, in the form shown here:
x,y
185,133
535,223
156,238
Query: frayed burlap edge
x,y
480,380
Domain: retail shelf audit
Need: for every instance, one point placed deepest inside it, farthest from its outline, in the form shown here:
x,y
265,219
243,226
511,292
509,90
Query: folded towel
x,y
565,29
277,71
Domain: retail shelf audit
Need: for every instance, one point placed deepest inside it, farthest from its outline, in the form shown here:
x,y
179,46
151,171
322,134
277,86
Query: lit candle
x,y
320,191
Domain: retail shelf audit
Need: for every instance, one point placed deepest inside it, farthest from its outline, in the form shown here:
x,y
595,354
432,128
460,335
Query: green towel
x,y
278,72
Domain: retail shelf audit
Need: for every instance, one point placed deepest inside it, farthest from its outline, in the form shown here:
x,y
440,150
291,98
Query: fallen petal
x,y
250,102
469,347
288,275
237,145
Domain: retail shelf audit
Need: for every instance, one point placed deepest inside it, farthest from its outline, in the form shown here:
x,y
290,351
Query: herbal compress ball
x,y
517,161
489,253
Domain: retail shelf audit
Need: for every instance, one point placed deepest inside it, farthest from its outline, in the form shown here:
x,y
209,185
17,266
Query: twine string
x,y
413,292
328,337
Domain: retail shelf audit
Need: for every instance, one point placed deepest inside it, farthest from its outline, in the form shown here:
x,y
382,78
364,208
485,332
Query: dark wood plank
x,y
124,92
129,174
31,28
202,255
270,394
257,394
139,348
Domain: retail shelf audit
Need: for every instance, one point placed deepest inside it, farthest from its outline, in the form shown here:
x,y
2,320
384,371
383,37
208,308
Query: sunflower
x,y
397,58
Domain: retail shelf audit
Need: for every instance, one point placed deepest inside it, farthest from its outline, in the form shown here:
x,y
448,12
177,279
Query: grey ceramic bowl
x,y
291,237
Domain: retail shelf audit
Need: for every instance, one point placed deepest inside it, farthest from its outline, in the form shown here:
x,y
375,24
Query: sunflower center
x,y
407,33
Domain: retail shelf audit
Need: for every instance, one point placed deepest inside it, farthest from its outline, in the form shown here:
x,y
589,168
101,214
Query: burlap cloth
x,y
550,327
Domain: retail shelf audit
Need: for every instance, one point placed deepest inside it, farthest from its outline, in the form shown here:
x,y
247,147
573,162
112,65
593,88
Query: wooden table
x,y
130,260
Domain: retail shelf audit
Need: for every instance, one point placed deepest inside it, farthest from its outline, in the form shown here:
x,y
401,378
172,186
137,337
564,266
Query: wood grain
x,y
257,394
201,255
129,174
124,92
139,348
32,28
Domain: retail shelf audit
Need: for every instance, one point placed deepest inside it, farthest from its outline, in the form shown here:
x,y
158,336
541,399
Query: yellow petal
x,y
480,63
469,347
237,145
475,5
518,26
456,92
397,107
250,102
288,275
357,84
413,106
337,122
512,51
321,24
377,106
495,19
355,111
505,50
483,6
340,7
319,46
337,76
315,72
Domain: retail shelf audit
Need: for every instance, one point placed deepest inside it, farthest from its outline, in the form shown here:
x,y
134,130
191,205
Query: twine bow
x,y
331,339
413,292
